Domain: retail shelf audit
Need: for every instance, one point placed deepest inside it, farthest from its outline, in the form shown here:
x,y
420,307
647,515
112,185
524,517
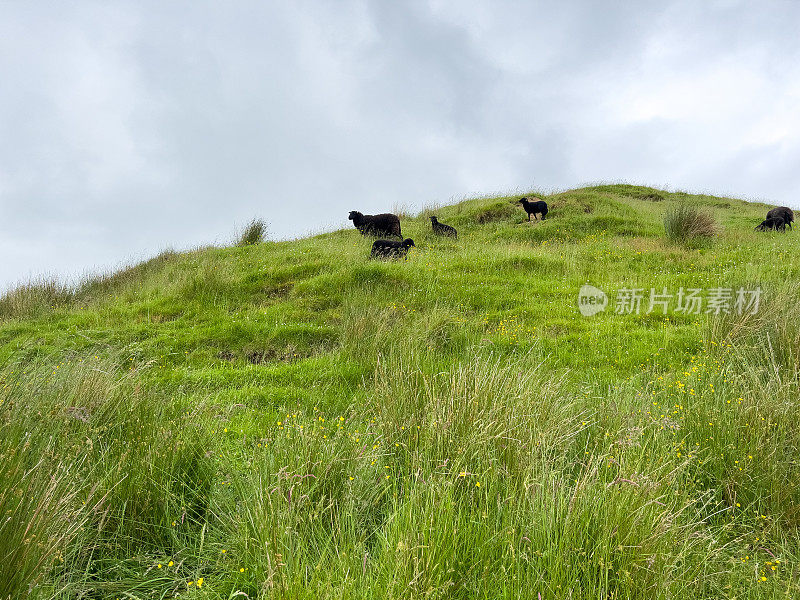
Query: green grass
x,y
255,232
294,420
689,224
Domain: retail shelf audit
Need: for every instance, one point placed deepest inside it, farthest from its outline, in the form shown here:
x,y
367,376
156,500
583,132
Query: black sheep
x,y
782,212
383,224
773,224
442,229
390,248
533,207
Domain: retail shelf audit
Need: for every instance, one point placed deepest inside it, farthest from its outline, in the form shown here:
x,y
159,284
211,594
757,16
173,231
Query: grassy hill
x,y
294,420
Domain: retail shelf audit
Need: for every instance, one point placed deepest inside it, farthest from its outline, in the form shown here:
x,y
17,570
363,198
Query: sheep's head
x,y
522,200
433,220
354,214
408,242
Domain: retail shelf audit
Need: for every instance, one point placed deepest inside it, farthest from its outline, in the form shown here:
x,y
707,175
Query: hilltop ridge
x,y
284,298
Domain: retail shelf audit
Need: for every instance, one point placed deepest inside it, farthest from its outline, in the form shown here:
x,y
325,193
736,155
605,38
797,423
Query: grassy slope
x,y
447,426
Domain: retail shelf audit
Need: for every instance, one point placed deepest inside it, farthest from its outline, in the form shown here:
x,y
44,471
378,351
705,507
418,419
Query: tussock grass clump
x,y
255,232
45,505
685,223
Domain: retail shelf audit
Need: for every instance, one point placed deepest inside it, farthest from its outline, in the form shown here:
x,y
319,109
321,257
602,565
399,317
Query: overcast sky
x,y
130,127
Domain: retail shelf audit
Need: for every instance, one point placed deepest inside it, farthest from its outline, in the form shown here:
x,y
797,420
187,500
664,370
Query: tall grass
x,y
254,232
34,298
492,478
685,223
758,358
767,340
93,475
488,480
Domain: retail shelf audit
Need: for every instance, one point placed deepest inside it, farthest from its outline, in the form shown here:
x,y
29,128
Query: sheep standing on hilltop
x,y
390,248
442,229
383,224
782,212
534,207
773,224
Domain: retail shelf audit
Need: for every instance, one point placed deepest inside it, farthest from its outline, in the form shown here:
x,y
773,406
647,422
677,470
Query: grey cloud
x,y
131,127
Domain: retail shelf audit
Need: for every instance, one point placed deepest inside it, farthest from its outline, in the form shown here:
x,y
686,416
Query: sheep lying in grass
x,y
534,207
772,224
782,212
383,224
390,248
442,229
